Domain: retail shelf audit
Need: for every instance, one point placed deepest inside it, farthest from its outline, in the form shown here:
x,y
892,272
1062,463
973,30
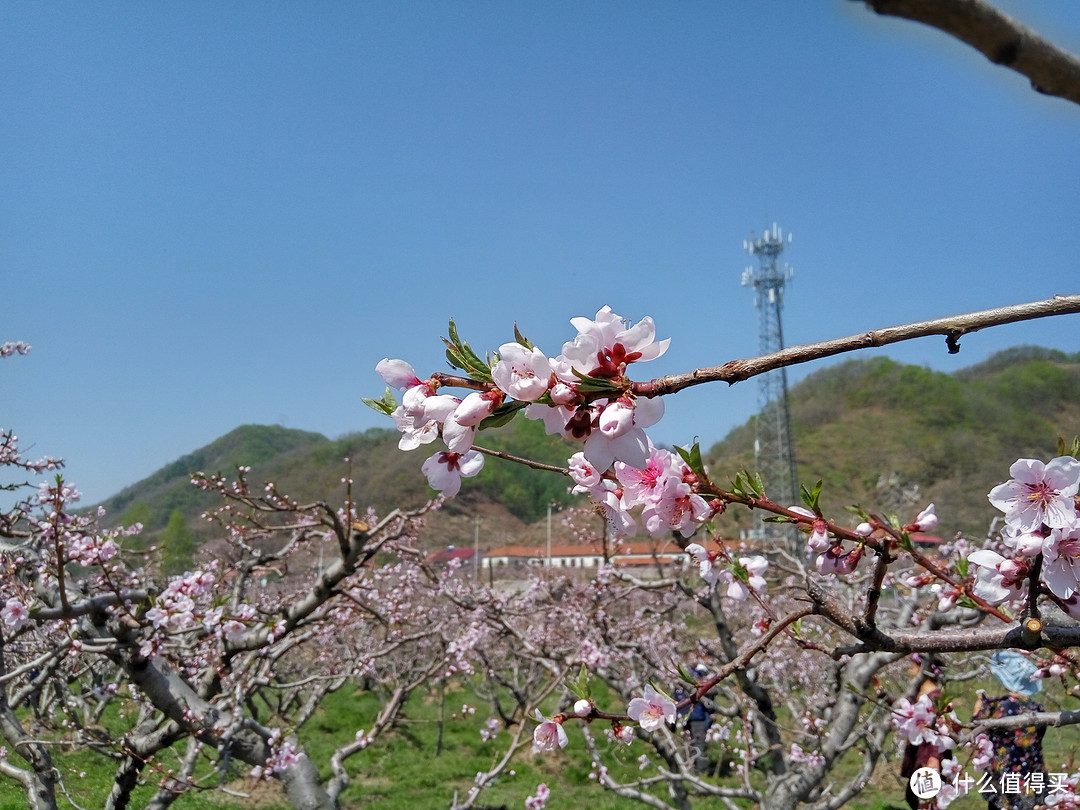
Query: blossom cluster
x,y
1041,518
920,723
583,395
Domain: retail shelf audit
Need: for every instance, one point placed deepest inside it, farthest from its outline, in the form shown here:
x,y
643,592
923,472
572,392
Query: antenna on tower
x,y
774,456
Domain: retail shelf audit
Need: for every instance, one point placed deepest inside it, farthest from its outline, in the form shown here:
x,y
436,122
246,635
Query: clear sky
x,y
216,214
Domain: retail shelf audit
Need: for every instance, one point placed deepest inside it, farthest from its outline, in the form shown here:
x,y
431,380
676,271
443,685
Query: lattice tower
x,y
774,457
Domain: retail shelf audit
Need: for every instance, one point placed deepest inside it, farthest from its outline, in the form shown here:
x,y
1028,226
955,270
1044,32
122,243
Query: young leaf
x,y
811,496
859,512
684,673
692,457
520,338
580,685
502,415
386,405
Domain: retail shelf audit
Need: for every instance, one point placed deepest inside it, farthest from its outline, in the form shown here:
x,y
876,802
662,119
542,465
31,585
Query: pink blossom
x,y
647,484
476,407
983,754
548,734
539,801
653,710
837,561
677,510
458,437
624,734
1026,544
415,430
15,614
997,579
624,438
521,372
926,521
445,470
605,346
397,373
583,708
583,473
704,559
818,541
915,720
1061,561
796,754
1039,493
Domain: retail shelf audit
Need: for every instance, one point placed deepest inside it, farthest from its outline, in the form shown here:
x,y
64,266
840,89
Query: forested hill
x,y
879,433
309,466
896,437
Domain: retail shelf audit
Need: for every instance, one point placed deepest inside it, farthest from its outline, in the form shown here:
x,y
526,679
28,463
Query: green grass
x,y
406,769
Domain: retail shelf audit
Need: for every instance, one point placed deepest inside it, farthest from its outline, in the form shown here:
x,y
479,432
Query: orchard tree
x,y
213,670
863,584
216,669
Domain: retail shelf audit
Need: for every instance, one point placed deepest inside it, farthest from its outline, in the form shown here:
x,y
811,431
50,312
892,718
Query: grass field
x,y
407,768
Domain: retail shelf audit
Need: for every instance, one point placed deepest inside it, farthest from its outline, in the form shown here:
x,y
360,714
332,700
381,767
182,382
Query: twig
x,y
952,328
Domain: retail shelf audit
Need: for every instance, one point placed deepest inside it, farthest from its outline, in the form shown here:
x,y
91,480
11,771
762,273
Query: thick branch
x,y
1001,39
952,328
961,639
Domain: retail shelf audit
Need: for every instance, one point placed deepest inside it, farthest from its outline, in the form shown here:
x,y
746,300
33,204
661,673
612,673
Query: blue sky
x,y
217,214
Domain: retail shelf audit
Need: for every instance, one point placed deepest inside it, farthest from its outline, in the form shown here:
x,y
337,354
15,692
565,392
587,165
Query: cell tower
x,y
773,454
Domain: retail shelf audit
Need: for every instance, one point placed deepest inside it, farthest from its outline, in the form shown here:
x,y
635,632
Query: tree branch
x,y
952,328
1001,39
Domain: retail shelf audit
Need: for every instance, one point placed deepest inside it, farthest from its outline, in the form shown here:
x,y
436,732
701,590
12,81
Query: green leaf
x,y
502,415
596,385
962,567
966,601
692,457
859,512
461,356
520,338
757,485
1074,448
580,685
452,328
905,542
387,405
739,571
684,673
811,496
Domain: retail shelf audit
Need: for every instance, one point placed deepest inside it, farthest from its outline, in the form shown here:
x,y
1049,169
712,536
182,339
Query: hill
x,y
309,466
896,436
879,433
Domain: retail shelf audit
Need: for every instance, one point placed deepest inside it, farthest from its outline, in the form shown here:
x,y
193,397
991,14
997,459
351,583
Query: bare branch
x,y
1001,39
952,328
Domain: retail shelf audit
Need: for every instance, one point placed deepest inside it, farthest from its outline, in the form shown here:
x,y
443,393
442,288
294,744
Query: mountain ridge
x,y
877,432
